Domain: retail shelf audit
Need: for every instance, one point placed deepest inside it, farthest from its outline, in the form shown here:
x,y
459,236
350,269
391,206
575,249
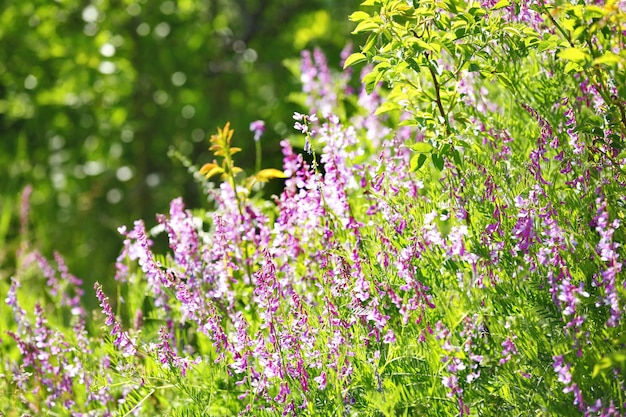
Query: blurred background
x,y
94,93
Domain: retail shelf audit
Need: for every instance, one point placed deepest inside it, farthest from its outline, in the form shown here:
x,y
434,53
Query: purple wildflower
x,y
607,250
258,128
166,355
11,301
303,124
509,350
122,340
321,380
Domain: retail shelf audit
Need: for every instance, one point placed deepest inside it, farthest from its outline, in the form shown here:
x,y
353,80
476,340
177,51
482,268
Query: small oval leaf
x,y
422,147
417,161
353,59
358,16
437,161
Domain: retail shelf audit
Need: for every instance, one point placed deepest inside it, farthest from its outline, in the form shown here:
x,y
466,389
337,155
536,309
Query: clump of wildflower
x,y
51,367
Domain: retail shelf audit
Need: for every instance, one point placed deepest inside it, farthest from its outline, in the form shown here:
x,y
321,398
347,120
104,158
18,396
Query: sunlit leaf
x,y
265,175
387,106
501,4
417,161
353,59
366,26
358,16
608,58
573,54
422,147
211,169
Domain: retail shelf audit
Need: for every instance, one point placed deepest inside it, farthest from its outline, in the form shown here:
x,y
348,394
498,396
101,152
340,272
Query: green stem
x,y
257,144
231,176
556,25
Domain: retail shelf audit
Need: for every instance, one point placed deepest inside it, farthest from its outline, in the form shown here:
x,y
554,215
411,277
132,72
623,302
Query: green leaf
x,y
572,67
608,58
370,81
473,67
594,12
370,42
421,45
442,22
437,161
613,360
477,11
417,161
501,4
422,147
546,45
415,64
386,107
358,16
353,59
505,80
365,26
457,157
573,54
568,24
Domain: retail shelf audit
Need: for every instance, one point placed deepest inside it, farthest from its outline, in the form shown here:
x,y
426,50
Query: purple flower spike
x,y
122,339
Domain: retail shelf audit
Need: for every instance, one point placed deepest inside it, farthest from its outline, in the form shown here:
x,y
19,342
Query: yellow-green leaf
x,y
370,42
265,175
417,161
608,58
501,4
571,67
355,58
505,80
211,169
386,107
594,12
358,16
365,26
573,54
422,147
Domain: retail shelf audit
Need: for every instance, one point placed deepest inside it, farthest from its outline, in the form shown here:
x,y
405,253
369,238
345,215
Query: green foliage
x,y
93,94
426,54
454,245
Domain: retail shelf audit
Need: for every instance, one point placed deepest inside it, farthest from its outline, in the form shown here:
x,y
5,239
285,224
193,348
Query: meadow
x,y
448,241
